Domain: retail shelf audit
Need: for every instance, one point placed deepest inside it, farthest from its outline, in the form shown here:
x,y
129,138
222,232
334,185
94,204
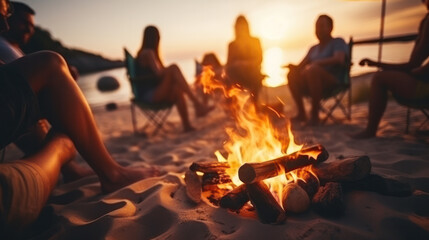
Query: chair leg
x,y
133,118
408,120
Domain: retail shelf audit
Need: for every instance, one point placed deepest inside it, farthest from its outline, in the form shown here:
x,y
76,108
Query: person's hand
x,y
290,66
367,62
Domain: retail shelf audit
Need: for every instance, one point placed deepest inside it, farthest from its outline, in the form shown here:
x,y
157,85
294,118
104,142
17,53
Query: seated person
x,y
21,29
244,60
408,80
321,70
37,85
160,84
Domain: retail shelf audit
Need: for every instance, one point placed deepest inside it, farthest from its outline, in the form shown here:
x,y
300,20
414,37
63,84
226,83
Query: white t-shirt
x,y
8,53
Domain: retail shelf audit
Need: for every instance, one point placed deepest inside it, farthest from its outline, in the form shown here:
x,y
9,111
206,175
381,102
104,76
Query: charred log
x,y
349,169
254,172
268,209
235,199
207,167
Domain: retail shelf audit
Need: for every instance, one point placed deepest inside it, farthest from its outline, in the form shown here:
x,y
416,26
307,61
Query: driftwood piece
x,y
379,184
235,199
329,200
349,169
207,167
267,207
254,172
211,178
193,186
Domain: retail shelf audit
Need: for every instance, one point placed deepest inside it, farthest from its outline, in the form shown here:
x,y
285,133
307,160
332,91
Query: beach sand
x,y
159,208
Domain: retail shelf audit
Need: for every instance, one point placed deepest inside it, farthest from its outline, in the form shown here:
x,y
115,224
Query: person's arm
x,y
421,71
419,53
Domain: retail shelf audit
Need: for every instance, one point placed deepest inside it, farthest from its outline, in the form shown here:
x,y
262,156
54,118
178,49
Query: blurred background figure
x,y
160,84
321,70
244,60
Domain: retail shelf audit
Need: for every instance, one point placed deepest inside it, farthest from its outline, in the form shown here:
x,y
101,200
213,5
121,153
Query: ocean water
x,y
273,60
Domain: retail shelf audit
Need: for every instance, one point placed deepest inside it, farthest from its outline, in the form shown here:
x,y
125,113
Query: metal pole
x,y
380,44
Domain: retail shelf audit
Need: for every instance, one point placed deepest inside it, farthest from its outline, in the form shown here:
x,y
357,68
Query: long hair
x,y
151,39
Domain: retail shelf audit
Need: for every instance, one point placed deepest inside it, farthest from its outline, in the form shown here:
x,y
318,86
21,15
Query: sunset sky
x,y
189,28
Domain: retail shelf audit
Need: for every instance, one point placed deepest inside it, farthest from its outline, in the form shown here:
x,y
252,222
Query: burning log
x,y
207,167
297,196
212,178
255,172
308,182
235,199
349,169
329,200
193,186
267,207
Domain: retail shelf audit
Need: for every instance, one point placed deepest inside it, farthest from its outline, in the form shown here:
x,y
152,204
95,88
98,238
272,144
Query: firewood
x,y
349,169
295,199
267,207
206,167
193,186
212,178
379,184
329,200
235,199
297,196
254,172
308,182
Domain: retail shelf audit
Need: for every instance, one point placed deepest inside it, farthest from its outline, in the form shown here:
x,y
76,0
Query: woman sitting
x,y
160,84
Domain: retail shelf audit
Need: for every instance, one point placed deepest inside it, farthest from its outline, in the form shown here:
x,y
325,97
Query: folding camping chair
x,y
417,104
338,94
156,113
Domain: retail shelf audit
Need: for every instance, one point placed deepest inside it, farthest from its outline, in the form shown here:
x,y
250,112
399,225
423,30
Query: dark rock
x,y
107,83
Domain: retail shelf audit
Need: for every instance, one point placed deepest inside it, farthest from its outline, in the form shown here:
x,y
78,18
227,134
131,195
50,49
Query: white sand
x,y
159,208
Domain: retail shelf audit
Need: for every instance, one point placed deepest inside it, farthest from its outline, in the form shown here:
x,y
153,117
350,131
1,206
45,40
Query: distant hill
x,y
85,62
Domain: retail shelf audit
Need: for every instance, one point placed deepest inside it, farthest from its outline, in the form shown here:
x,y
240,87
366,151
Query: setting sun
x,y
271,66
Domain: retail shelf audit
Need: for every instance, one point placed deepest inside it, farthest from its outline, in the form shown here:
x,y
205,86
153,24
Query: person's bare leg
x,y
57,151
65,107
398,83
295,82
168,91
317,80
35,140
200,108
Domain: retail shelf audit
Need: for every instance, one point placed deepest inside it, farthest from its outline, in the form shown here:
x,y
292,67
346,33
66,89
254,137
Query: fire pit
x,y
270,174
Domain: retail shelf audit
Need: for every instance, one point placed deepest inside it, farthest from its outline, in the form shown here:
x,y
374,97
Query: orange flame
x,y
254,139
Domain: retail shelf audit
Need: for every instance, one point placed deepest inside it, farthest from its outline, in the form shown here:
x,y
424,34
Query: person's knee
x,y
50,58
173,68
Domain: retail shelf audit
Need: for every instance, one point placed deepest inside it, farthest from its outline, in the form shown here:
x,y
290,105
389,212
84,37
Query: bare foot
x,y
125,176
362,135
188,129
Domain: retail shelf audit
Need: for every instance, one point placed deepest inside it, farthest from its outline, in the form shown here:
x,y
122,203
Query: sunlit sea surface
x,y
274,58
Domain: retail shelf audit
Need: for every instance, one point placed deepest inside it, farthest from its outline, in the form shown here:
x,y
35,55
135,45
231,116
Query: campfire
x,y
267,172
